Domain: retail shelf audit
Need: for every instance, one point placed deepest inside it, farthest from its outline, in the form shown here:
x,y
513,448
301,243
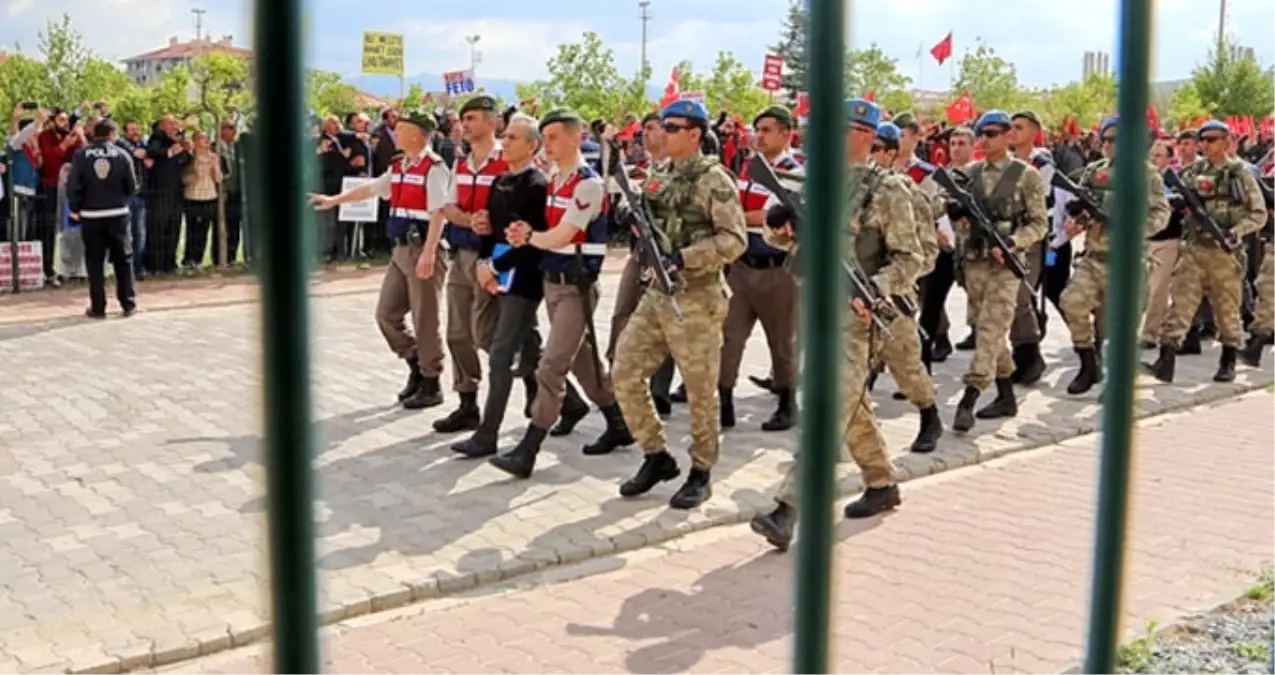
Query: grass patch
x,y
1264,589
1252,651
1136,656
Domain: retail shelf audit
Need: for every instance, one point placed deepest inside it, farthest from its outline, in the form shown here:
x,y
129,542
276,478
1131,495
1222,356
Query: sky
x,y
1046,39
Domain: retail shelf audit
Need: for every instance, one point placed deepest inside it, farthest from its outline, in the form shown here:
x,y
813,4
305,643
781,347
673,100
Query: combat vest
x,y
409,195
754,197
867,244
1001,205
1097,180
473,188
589,243
670,193
1221,193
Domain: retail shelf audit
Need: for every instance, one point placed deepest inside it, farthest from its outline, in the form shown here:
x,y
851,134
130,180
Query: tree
x,y
731,85
792,49
326,94
23,79
583,76
991,81
65,59
1227,86
220,87
1185,107
1089,101
634,99
897,100
870,70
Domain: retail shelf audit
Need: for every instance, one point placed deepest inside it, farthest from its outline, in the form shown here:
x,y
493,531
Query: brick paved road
x,y
983,570
130,513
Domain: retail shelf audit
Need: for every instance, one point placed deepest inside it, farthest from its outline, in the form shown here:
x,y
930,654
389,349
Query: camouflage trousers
x,y
863,438
993,297
1206,271
695,342
1083,297
1264,318
901,354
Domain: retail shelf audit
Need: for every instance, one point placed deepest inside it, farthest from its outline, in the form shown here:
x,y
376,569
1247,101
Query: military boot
x,y
663,406
874,501
656,468
941,349
615,436
428,395
766,383
964,419
1226,365
776,526
465,418
679,394
574,409
520,461
695,491
1089,373
968,343
1030,365
414,379
481,444
1251,354
530,388
1004,405
726,409
785,416
1191,344
927,437
1163,367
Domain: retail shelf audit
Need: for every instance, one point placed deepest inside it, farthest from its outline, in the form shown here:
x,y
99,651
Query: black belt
x,y
764,262
414,237
573,278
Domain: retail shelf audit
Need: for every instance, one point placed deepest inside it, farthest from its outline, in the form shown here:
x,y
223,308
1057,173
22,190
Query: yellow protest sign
x,y
382,54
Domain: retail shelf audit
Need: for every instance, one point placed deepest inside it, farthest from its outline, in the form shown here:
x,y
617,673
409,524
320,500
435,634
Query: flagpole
x,y
920,66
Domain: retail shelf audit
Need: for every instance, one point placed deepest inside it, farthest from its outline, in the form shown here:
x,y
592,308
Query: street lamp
x,y
473,52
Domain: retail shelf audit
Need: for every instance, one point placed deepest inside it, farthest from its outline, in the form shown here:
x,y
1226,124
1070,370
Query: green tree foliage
x,y
1186,106
583,76
870,70
991,81
326,94
221,88
729,85
1227,86
792,48
1089,101
23,79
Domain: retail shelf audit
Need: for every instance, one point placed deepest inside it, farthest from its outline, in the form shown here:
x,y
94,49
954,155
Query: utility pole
x,y
473,54
1221,28
199,22
645,16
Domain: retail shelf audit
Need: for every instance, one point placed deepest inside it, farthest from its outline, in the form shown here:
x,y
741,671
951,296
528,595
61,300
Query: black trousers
x,y
515,333
1054,278
201,219
234,217
103,235
935,288
47,223
163,229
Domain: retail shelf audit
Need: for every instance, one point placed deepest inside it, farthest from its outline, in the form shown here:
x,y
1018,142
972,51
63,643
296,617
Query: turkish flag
x,y
939,154
1268,126
803,104
871,96
961,110
1153,118
943,50
671,90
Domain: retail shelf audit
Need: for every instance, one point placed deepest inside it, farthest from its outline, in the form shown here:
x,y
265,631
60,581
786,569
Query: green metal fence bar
x,y
1124,293
286,260
14,213
821,313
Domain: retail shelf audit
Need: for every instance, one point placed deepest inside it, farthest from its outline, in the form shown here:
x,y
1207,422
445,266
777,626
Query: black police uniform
x,y
98,190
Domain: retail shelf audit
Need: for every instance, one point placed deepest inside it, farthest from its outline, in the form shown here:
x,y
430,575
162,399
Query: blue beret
x,y
997,117
1109,123
862,112
888,131
691,110
1214,125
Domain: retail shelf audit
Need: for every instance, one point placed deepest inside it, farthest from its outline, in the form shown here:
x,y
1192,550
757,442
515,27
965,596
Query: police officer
x,y
415,185
700,227
1204,270
883,240
1084,296
1013,196
98,190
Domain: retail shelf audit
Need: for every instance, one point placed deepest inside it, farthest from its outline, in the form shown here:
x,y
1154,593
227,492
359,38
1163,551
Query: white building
x,y
150,67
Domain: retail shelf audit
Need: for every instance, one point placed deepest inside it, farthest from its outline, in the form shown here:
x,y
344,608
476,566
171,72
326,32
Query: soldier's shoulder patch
x,y
723,194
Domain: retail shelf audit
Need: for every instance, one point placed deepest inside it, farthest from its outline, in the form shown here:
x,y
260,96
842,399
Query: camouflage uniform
x,y
1085,294
884,240
1204,271
696,213
1017,209
1264,317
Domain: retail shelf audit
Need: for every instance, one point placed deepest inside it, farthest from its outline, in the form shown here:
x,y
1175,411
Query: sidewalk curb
x,y
908,467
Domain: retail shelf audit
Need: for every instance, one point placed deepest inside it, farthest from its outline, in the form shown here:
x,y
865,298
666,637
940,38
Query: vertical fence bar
x,y
286,246
1124,293
14,213
821,312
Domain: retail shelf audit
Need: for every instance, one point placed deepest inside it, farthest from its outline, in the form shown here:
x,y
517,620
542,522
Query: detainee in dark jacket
x,y
164,202
98,190
518,195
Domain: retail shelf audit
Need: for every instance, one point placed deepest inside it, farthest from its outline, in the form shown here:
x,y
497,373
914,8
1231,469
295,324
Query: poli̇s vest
x,y
590,242
753,197
473,188
409,196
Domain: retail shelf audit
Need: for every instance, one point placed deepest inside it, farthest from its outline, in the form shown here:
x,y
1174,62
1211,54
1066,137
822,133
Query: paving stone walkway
x,y
131,528
982,570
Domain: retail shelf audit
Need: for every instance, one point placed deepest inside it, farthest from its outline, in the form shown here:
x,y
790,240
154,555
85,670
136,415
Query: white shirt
x,y
435,182
585,202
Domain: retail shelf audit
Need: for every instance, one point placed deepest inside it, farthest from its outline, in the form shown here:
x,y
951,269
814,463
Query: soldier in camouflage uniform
x,y
1262,330
1204,270
1086,293
902,355
699,223
883,239
1012,195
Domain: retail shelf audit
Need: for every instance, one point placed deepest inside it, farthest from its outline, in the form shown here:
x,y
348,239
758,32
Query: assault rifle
x,y
967,202
1173,181
1083,201
760,172
640,224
